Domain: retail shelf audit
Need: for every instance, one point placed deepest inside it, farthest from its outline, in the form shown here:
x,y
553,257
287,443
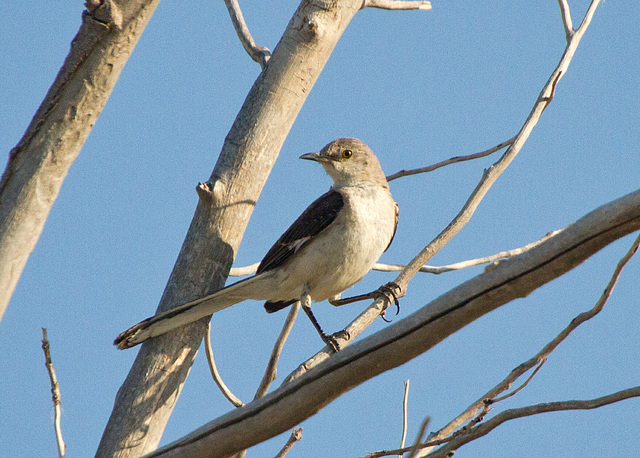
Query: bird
x,y
331,246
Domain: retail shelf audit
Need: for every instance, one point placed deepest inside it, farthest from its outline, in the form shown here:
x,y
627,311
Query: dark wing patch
x,y
317,217
271,307
395,225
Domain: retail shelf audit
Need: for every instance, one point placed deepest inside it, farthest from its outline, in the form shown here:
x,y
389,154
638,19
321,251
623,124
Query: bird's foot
x,y
332,340
391,292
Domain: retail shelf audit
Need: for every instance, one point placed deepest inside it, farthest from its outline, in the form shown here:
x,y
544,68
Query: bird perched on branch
x,y
330,247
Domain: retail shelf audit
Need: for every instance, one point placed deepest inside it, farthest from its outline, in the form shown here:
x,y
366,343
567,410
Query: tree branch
x,y
55,393
226,392
402,341
272,365
260,54
453,160
39,163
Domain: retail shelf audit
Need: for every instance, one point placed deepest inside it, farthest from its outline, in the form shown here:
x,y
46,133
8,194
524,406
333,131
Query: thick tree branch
x,y
260,54
147,397
39,163
394,345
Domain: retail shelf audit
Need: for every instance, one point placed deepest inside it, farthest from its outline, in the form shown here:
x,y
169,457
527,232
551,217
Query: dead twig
x,y
55,392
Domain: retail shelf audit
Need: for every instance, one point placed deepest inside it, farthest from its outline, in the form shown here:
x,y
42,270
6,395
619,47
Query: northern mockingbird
x,y
330,247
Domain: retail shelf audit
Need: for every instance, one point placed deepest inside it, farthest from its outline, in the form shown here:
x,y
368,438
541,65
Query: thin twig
x,y
214,370
405,410
272,365
295,436
543,354
55,392
566,19
452,160
484,428
258,53
396,5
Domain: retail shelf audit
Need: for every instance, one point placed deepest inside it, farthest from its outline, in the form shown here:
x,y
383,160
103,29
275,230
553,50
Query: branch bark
x,y
39,163
146,399
389,348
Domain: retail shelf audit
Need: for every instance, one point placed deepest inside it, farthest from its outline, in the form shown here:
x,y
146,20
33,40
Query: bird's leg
x,y
305,302
390,291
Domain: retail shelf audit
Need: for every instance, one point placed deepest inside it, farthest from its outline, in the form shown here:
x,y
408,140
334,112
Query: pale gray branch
x,y
397,4
272,365
55,393
260,54
566,18
39,163
214,370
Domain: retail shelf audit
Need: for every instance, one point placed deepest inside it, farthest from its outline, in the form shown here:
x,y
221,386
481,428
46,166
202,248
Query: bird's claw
x,y
332,340
390,292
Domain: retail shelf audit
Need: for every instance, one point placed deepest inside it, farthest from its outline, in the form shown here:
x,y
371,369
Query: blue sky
x,y
418,87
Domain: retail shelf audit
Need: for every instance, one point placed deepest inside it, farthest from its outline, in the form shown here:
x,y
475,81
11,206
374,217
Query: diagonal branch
x,y
453,160
260,54
489,177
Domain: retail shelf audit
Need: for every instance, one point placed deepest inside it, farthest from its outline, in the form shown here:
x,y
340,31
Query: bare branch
x,y
271,371
242,271
214,370
541,356
39,163
511,414
471,262
396,5
566,19
296,435
55,392
260,54
416,446
453,160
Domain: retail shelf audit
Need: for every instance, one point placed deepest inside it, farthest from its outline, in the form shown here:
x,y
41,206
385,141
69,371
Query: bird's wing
x,y
395,224
317,217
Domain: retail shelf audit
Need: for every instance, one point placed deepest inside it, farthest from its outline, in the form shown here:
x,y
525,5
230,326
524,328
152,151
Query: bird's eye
x,y
347,153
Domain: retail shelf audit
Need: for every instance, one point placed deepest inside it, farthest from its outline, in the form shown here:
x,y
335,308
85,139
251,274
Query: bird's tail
x,y
184,314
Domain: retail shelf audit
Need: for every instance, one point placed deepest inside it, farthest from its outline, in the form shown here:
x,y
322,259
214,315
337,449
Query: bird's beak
x,y
318,157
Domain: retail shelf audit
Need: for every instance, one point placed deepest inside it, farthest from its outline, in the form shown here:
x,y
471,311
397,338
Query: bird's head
x,y
349,161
